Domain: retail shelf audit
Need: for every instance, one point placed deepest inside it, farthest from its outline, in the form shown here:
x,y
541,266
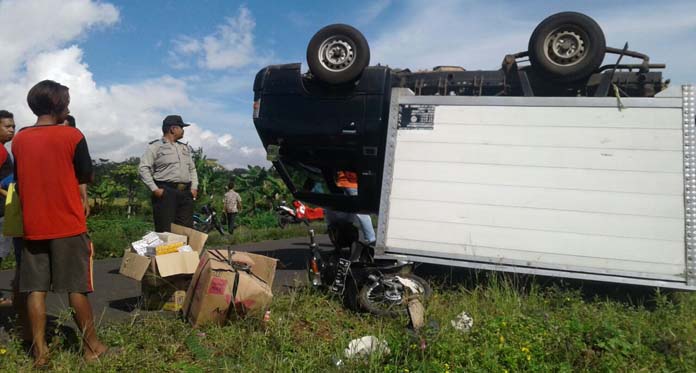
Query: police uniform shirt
x,y
168,162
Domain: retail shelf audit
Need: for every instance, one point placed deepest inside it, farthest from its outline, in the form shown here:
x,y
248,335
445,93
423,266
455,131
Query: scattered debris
x,y
463,322
416,312
366,346
413,286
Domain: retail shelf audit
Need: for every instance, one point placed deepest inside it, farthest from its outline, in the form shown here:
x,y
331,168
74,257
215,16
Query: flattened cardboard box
x,y
209,297
135,266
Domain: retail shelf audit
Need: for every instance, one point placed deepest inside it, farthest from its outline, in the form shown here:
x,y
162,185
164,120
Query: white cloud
x,y
233,82
371,11
451,33
477,35
225,148
118,120
230,46
667,36
29,27
186,45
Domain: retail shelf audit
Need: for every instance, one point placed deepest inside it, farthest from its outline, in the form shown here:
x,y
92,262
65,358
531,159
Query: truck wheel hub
x,y
564,47
336,54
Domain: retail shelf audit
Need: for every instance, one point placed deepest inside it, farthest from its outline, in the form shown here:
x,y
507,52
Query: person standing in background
x,y
7,130
233,204
348,181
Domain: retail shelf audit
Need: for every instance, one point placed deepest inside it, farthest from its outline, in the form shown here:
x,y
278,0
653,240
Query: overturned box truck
x,y
555,164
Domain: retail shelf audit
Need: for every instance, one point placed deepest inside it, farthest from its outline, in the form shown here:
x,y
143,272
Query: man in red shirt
x,y
51,160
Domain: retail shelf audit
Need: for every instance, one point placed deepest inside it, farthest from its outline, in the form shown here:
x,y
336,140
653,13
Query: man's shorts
x,y
18,244
63,265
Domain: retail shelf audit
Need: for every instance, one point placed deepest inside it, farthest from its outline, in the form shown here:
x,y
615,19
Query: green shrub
x,y
243,234
111,236
265,219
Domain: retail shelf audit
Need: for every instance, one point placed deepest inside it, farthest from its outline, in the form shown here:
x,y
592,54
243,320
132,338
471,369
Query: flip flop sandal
x,y
110,352
42,362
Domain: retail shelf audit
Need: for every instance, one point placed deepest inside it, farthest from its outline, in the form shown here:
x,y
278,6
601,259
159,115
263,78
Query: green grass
x,y
520,325
531,329
244,234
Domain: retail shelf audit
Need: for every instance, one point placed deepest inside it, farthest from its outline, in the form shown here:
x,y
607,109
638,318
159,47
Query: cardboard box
x,y
253,297
216,284
136,266
168,294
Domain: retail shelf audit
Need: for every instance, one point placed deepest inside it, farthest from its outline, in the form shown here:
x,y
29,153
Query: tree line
x,y
117,188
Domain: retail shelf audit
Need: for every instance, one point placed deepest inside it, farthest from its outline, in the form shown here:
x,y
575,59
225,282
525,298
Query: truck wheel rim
x,y
566,46
337,54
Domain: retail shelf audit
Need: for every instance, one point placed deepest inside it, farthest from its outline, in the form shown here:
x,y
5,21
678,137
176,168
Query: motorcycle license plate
x,y
339,283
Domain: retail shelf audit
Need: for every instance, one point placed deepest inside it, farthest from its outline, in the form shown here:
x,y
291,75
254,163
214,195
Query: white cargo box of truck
x,y
578,187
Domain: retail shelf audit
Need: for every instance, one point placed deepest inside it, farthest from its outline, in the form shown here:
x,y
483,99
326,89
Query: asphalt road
x,y
116,297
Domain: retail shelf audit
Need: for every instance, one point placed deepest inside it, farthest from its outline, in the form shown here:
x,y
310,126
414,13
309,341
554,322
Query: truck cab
x,y
311,131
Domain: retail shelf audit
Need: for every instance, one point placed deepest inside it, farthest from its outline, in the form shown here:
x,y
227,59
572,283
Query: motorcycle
x,y
380,287
207,219
299,214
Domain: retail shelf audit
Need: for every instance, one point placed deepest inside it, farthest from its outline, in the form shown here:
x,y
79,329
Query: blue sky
x,y
129,63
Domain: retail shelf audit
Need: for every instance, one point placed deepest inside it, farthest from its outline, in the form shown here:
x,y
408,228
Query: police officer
x,y
167,168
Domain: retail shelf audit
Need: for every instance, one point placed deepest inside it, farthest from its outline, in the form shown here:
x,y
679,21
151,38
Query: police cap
x,y
173,120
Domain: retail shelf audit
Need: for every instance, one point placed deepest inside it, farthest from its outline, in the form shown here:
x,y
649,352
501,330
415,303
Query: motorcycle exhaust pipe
x,y
316,275
313,264
312,241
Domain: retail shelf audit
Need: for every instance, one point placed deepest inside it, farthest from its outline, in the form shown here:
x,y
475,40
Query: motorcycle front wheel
x,y
282,221
216,222
201,227
389,296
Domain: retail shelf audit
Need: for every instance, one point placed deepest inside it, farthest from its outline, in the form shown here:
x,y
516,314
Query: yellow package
x,y
168,248
176,302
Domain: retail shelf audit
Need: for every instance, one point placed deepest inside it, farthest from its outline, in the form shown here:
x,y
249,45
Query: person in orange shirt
x,y
348,181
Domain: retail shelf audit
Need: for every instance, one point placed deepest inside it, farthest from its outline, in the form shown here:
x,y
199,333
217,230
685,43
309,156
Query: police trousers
x,y
175,206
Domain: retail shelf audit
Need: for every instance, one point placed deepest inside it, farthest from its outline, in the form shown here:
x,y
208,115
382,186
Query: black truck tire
x,y
338,54
567,46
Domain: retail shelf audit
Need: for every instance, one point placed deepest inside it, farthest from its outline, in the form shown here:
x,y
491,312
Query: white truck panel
x,y
542,220
665,161
631,204
564,116
578,186
453,255
553,137
578,179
